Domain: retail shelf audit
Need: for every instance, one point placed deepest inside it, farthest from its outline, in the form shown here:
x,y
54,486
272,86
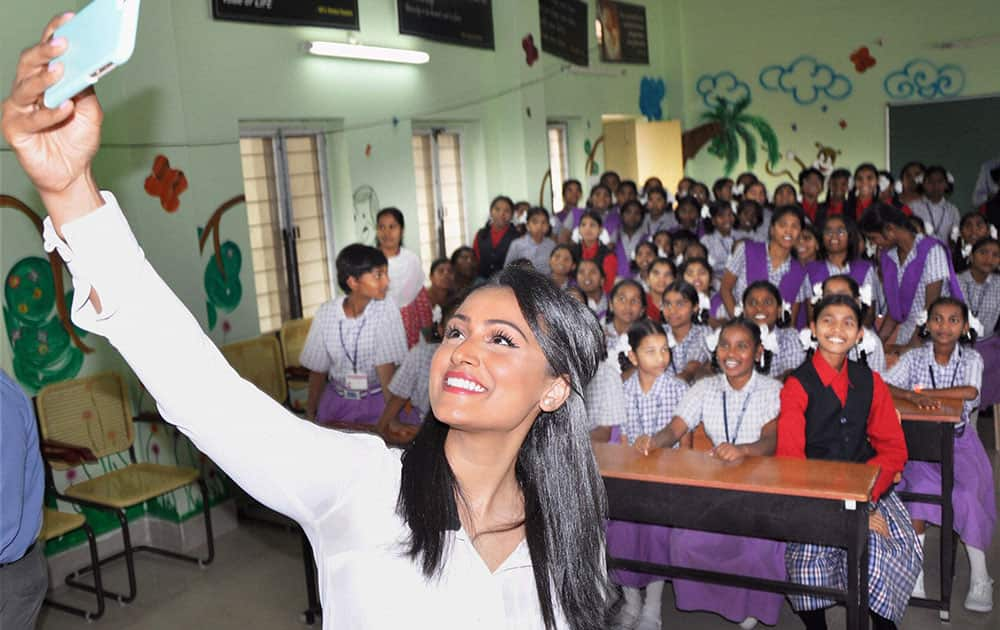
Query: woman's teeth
x,y
461,383
731,363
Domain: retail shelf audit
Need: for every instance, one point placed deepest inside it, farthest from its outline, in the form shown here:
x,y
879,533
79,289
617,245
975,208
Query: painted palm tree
x,y
724,127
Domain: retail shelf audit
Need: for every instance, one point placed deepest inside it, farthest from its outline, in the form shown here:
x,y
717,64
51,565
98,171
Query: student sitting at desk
x,y
835,409
737,408
945,368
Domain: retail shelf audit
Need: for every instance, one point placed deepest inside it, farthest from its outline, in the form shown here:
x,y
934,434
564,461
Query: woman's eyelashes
x,y
498,336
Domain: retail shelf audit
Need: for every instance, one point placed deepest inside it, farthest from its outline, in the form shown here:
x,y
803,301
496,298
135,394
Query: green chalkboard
x,y
959,134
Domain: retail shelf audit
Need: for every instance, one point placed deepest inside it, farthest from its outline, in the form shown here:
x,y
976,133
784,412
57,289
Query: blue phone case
x,y
101,37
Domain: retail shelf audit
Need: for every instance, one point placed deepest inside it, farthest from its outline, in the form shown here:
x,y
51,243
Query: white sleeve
x,y
690,410
314,475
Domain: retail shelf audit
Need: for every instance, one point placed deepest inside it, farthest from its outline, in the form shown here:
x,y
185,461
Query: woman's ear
x,y
352,283
634,360
555,395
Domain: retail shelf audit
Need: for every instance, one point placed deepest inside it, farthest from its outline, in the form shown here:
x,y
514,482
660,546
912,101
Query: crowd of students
x,y
718,303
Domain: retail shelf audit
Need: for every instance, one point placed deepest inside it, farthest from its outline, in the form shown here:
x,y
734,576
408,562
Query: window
x,y
558,163
437,162
283,177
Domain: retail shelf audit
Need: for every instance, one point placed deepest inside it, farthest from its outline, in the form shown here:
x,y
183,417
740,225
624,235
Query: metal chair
x,y
56,524
94,414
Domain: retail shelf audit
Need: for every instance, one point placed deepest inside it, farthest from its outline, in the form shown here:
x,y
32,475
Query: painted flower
x,y
862,59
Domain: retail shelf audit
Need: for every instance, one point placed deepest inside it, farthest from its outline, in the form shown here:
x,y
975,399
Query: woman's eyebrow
x,y
465,318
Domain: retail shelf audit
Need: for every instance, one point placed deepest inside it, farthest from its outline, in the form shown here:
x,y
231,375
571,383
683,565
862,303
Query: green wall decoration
x,y
222,273
724,128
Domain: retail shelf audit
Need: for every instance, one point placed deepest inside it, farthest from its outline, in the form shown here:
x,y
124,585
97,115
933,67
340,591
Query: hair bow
x,y
603,237
706,212
850,183
949,177
883,182
870,249
976,325
671,340
436,314
621,345
918,178
807,339
704,302
865,294
735,206
712,340
921,318
786,307
956,233
867,343
738,189
993,231
575,236
711,262
769,339
928,228
966,251
898,187
679,259
738,311
817,292
662,253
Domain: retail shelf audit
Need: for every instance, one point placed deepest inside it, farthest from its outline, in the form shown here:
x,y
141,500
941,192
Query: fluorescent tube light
x,y
367,53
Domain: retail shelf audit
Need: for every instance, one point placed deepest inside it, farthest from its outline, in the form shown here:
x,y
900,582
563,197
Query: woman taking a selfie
x,y
493,518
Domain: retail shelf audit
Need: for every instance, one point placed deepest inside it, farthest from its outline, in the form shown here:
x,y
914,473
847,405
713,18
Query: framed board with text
x,y
462,22
564,28
328,13
623,32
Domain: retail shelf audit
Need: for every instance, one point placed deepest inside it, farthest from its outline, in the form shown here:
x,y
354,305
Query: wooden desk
x,y
805,501
930,437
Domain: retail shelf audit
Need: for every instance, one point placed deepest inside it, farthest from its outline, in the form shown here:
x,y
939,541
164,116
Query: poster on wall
x,y
564,29
623,32
462,22
329,13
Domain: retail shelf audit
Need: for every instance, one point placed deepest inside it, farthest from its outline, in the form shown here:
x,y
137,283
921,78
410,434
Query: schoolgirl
x,y
409,383
682,239
662,272
719,238
664,241
493,241
807,247
837,187
785,195
645,254
697,273
626,305
750,224
981,288
865,192
464,267
971,228
937,213
869,350
590,246
835,409
652,394
572,192
650,184
686,332
907,187
916,270
840,254
659,215
599,203
688,213
737,408
406,277
774,261
722,189
949,366
562,265
442,288
743,181
629,237
762,304
627,191
534,245
810,185
355,342
590,279
700,193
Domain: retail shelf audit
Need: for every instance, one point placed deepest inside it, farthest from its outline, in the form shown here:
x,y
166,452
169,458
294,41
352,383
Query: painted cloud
x,y
722,86
806,80
921,78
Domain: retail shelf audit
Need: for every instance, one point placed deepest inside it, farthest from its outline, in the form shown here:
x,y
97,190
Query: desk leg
x,y
947,550
857,571
312,596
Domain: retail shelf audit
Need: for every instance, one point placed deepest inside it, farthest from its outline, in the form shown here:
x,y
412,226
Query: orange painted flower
x,y
862,59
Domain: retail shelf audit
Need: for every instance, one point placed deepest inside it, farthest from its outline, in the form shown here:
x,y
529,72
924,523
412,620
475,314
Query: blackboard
x,y
564,28
959,134
329,13
623,32
462,22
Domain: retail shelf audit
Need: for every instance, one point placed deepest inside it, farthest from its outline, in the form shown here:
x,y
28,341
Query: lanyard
x,y
353,359
954,375
975,306
739,421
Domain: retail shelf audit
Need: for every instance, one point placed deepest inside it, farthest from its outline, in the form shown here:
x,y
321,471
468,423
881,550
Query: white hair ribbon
x,y
993,231
661,252
738,310
928,228
806,338
918,178
976,325
712,340
921,318
769,339
898,187
679,259
865,294
949,177
966,251
436,314
883,182
706,213
786,307
704,303
738,189
956,233
870,248
817,292
867,343
671,340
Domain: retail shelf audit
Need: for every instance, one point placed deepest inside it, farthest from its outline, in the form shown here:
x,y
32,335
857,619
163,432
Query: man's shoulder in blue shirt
x,y
22,477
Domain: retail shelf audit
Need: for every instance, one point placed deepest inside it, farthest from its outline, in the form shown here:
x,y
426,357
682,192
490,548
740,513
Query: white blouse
x,y
341,488
406,277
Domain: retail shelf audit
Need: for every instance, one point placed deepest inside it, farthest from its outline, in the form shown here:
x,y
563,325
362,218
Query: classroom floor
x,y
257,581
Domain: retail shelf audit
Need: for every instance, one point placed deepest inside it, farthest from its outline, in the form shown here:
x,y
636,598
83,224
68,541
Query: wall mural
x,y
165,183
806,80
222,273
366,206
727,124
921,78
46,346
825,162
862,59
651,94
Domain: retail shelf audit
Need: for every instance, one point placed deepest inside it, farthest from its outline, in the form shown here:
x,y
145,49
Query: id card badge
x,y
357,382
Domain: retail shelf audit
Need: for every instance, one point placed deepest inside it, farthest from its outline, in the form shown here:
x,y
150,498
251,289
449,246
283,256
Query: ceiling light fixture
x,y
367,53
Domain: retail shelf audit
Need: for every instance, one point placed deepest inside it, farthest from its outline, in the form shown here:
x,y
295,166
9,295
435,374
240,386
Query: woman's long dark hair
x,y
565,507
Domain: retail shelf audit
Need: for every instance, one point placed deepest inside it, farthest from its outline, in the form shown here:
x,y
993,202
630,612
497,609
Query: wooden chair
x,y
260,361
293,335
56,524
94,414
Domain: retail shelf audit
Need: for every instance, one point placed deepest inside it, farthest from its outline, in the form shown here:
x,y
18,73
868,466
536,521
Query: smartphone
x,y
100,38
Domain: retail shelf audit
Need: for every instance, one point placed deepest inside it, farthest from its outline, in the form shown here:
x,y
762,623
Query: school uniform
x,y
719,247
848,415
348,349
605,259
604,397
611,221
600,307
736,417
341,488
984,302
666,221
406,288
861,271
410,381
691,348
751,262
625,251
940,216
491,247
905,283
537,253
790,354
645,414
611,336
871,345
973,496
